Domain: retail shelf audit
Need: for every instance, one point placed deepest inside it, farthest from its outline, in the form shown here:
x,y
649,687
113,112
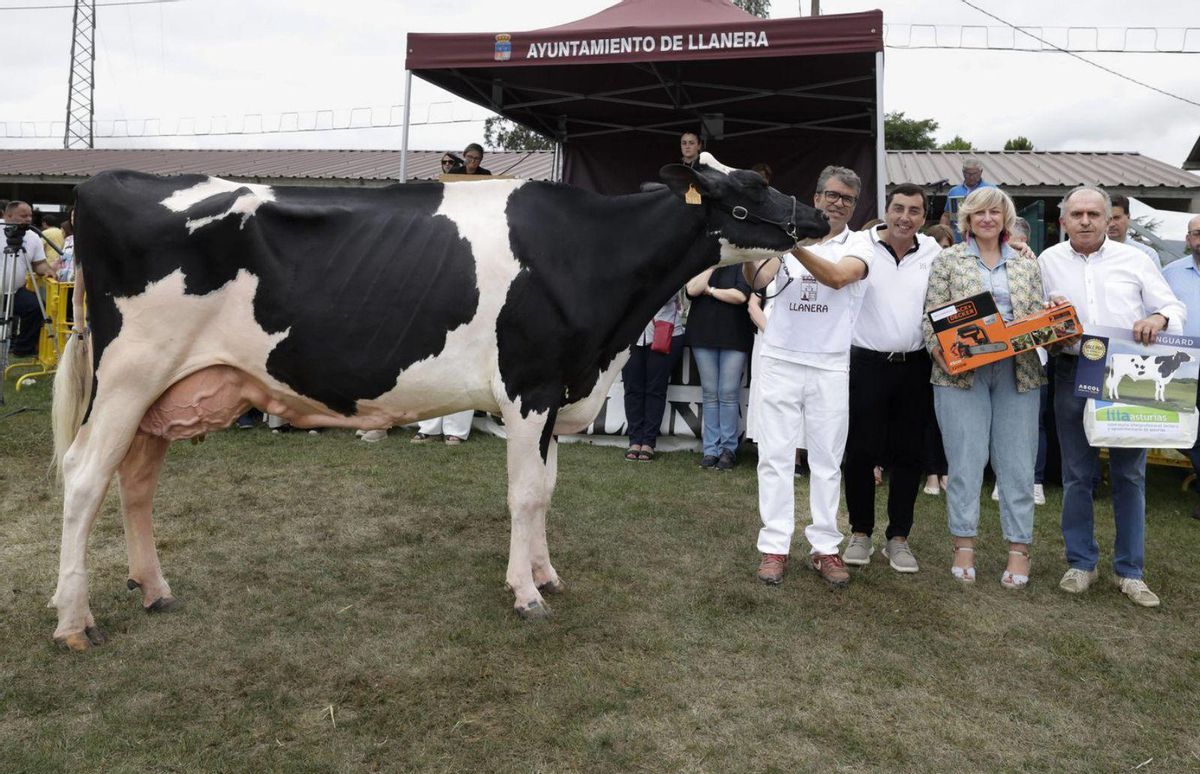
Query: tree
x,y
957,144
1019,143
502,134
759,8
900,133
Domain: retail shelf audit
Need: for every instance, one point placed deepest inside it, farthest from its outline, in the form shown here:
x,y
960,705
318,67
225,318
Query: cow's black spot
x,y
593,272
366,282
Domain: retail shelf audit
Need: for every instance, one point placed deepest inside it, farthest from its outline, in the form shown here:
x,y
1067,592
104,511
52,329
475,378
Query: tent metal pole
x,y
404,132
880,154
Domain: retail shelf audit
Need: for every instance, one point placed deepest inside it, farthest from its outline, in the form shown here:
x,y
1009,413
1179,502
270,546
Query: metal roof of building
x,y
366,167
1041,169
1030,172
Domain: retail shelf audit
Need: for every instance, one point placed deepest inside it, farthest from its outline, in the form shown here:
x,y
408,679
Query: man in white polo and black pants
x,y
804,371
890,393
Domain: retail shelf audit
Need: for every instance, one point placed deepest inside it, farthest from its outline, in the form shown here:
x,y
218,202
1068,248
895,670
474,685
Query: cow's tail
x,y
72,392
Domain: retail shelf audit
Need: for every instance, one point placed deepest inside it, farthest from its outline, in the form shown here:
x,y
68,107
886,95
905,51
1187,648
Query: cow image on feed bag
x,y
367,308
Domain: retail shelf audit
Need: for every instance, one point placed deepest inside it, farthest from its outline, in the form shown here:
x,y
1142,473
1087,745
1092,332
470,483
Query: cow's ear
x,y
681,178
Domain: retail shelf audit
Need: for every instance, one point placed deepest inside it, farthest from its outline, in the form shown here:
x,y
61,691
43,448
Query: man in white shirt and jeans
x,y
804,372
1117,286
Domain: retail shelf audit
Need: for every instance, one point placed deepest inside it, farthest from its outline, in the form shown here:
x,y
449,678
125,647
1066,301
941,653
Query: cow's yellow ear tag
x,y
692,196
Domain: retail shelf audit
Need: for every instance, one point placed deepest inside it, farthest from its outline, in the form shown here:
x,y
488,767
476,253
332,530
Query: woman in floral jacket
x,y
992,410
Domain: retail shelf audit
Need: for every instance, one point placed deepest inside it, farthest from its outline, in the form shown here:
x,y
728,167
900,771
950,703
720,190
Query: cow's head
x,y
751,218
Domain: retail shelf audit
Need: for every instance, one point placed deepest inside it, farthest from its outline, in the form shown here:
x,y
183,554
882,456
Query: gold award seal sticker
x,y
1093,349
692,196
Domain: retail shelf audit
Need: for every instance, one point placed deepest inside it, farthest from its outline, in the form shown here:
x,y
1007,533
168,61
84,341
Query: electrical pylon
x,y
82,85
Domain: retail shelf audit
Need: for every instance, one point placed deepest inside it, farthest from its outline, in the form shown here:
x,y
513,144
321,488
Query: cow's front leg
x,y
544,576
528,499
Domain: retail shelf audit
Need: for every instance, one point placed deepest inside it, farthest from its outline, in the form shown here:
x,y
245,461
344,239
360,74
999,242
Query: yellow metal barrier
x,y
53,337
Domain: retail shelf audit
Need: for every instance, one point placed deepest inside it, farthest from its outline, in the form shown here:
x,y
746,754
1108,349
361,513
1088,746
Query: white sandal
x,y
963,574
1010,580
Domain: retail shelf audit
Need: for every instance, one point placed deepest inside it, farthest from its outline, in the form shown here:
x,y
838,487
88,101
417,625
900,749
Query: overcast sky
x,y
213,58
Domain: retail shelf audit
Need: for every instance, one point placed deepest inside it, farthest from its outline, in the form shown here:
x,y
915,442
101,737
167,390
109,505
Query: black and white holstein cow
x,y
1159,369
366,309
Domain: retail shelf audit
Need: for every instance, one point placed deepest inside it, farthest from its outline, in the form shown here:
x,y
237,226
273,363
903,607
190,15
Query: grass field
x,y
345,611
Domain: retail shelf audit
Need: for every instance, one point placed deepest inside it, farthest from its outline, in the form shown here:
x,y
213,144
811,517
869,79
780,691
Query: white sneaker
x,y
1076,581
1039,495
374,436
996,492
1138,591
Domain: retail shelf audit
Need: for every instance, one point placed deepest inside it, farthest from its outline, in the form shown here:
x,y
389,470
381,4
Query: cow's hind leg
x,y
138,478
88,468
528,499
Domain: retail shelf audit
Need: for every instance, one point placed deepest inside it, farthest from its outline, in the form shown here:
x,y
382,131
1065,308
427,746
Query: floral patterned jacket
x,y
955,275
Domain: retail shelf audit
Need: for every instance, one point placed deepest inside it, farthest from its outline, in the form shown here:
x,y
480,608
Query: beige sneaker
x,y
1076,581
1137,590
858,551
900,555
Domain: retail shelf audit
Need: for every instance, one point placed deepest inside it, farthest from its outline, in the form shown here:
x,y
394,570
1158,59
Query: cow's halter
x,y
738,212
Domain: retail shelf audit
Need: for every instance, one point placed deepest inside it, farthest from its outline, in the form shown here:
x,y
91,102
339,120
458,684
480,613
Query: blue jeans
x,y
1080,468
721,386
991,417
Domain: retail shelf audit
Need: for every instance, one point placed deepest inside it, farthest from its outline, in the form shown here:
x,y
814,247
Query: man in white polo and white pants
x,y
804,372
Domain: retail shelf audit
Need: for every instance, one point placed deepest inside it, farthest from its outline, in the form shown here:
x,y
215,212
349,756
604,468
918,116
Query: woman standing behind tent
x,y
720,334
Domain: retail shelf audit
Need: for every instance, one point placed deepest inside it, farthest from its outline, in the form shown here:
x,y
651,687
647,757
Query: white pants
x,y
798,398
452,424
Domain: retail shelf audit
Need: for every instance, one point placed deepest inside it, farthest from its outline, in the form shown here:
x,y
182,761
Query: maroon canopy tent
x,y
616,89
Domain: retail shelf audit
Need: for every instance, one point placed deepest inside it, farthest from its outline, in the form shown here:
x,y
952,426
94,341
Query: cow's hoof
x,y
534,611
555,586
164,605
79,642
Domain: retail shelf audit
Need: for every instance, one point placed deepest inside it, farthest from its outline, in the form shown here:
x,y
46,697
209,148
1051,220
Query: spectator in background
x,y
52,238
66,263
26,309
1117,286
689,149
1118,228
645,377
1184,278
972,170
455,427
943,235
991,411
720,335
451,164
472,158
759,309
933,457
